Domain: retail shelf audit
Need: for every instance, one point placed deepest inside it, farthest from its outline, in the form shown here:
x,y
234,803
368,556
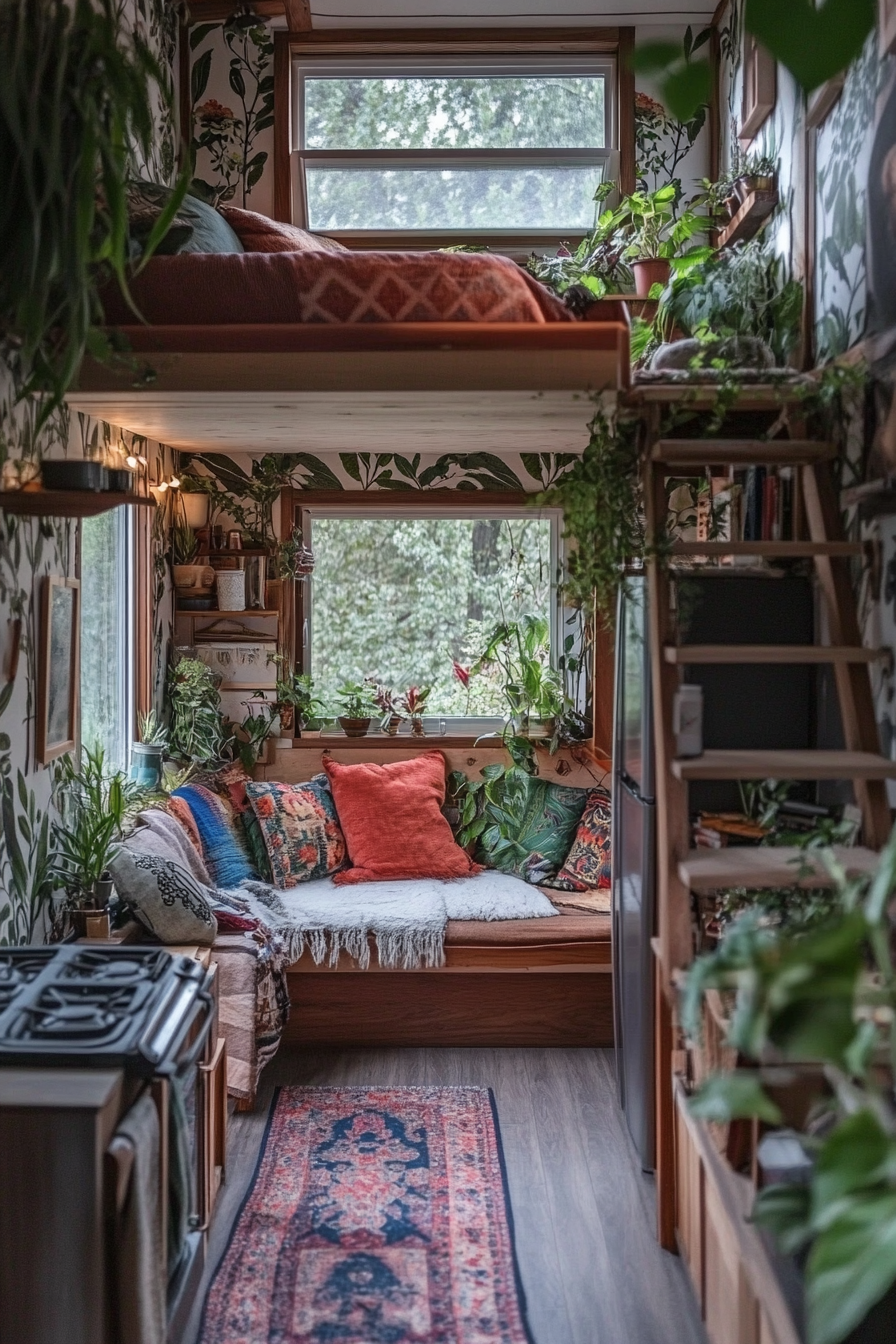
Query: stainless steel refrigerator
x,y
634,862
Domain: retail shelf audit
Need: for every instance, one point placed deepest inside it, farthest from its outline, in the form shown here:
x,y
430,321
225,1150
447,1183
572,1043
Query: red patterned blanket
x,y
342,287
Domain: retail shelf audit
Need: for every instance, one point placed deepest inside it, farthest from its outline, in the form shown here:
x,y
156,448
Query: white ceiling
x,y
501,13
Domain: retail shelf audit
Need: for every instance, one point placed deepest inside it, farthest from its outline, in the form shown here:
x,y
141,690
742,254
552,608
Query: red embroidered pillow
x,y
391,819
587,866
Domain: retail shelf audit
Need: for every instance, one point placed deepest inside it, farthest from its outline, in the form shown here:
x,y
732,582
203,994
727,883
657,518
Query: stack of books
x,y
752,504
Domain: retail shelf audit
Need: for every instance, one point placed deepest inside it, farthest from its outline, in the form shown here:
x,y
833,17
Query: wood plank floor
x,y
584,1212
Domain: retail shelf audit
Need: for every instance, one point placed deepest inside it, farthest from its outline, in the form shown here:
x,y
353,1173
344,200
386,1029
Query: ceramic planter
x,y
649,272
354,727
755,182
539,728
146,764
287,715
417,729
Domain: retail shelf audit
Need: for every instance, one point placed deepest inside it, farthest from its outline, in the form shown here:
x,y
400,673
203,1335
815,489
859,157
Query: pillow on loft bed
x,y
197,226
257,233
299,828
392,821
587,865
540,826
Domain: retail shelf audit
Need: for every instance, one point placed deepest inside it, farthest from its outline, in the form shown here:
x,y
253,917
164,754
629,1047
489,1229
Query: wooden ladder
x,y
681,870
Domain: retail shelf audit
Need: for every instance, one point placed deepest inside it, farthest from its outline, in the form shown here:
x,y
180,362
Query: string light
x,y
131,460
175,482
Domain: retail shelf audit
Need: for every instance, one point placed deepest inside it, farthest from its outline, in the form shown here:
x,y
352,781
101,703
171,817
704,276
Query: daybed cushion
x,y
392,821
344,287
300,829
528,932
587,865
166,899
257,233
545,821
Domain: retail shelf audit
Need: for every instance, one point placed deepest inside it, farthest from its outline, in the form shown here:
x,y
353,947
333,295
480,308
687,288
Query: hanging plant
x,y
601,499
75,110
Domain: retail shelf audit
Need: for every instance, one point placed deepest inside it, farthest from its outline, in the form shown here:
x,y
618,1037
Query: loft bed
x,y
434,352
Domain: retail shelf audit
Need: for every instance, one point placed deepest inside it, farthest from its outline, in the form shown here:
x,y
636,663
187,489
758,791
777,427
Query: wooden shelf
x,y
769,396
759,866
784,550
755,210
741,452
785,765
67,503
696,655
217,611
225,551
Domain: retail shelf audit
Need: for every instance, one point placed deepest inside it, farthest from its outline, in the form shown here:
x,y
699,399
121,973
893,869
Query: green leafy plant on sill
x,y
297,689
196,725
815,43
596,268
151,731
92,804
75,109
824,996
651,229
355,700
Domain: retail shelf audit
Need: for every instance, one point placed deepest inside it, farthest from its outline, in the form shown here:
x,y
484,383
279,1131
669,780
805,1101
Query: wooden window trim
x,y
618,42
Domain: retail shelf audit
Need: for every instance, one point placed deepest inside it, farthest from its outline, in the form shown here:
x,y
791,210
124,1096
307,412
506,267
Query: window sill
x,y
399,743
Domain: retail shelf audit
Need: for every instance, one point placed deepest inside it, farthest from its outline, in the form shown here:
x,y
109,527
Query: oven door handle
x,y
184,1065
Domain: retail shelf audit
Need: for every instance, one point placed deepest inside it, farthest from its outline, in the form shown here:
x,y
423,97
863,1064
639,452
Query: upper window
x,y
107,634
472,149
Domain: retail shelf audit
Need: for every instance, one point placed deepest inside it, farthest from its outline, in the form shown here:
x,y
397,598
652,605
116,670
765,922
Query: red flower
x,y
462,673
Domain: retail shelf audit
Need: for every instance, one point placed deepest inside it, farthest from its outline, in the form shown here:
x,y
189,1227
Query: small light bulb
x,y
162,486
142,460
131,460
175,482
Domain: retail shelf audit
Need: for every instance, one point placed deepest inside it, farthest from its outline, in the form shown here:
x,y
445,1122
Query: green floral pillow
x,y
533,828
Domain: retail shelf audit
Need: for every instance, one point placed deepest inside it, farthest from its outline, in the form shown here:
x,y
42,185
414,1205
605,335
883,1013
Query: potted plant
x,y
386,702
91,806
295,701
532,688
756,172
356,703
247,739
196,727
148,752
654,236
412,705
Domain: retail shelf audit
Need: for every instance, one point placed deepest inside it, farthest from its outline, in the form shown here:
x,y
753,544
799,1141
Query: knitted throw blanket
x,y
226,860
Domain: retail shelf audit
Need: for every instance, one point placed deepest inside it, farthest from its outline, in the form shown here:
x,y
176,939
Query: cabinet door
x,y
729,1307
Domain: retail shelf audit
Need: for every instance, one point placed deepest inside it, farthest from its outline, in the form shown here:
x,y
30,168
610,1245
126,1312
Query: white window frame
x,y
607,156
442,725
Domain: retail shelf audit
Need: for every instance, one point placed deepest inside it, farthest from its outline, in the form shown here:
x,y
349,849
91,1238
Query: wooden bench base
x,y
556,1006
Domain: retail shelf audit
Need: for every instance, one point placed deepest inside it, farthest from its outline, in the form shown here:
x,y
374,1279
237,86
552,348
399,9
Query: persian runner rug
x,y
376,1216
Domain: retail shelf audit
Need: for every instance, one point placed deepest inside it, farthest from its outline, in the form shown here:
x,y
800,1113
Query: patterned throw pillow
x,y
587,864
166,899
544,820
300,827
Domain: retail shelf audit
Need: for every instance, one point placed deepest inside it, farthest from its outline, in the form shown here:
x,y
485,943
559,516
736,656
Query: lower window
x,y
107,634
410,600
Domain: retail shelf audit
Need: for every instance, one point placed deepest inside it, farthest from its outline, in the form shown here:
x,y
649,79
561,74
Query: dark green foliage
x,y
75,105
92,805
196,728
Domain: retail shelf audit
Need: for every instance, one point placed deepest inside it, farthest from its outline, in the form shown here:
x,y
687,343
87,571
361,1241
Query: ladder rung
x,y
769,866
785,765
741,452
719,654
769,549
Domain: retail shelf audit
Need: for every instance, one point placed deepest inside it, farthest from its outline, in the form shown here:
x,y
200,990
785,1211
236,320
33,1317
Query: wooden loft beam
x,y
298,15
462,39
218,11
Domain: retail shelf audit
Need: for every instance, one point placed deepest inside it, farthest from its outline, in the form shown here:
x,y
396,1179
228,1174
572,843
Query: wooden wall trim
x,y
282,128
143,632
403,501
625,84
184,97
455,39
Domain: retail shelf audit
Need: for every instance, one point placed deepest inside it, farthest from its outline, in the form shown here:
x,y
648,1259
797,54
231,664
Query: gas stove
x,y
84,1007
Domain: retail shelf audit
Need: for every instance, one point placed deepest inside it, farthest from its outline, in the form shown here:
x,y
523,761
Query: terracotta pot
x,y
649,272
354,727
287,715
417,729
392,725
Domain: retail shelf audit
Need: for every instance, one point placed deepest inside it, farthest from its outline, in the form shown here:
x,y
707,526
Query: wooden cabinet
x,y
214,1131
740,1299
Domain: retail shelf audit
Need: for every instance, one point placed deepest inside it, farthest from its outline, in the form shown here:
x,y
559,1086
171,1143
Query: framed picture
x,y
824,100
760,88
887,26
59,667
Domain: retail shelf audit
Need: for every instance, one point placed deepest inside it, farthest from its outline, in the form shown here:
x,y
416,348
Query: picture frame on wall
x,y
823,101
887,25
59,667
760,91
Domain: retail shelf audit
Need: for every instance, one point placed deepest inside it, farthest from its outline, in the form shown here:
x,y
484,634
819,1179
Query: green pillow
x,y
537,826
197,226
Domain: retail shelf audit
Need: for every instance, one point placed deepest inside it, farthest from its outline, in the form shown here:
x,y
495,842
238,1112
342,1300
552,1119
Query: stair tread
x,y
695,654
780,452
787,764
770,549
768,866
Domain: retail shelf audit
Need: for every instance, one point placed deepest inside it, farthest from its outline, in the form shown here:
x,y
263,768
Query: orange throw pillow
x,y
391,819
257,233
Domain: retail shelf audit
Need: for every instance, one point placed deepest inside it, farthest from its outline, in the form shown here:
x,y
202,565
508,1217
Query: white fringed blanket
x,y
407,920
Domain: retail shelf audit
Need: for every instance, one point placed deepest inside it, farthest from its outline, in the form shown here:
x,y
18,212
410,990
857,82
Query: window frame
x,y
298,507
518,46
127,624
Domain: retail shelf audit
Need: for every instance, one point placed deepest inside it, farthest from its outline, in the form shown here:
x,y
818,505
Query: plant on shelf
x,y
92,803
387,702
148,752
355,708
196,725
602,514
292,558
412,705
248,497
733,299
818,1002
754,172
598,266
531,687
296,702
184,546
77,113
246,739
655,237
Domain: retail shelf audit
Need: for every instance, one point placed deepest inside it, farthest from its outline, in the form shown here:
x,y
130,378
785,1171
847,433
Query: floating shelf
x,y
216,611
741,452
769,866
787,764
792,550
67,503
694,655
751,216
